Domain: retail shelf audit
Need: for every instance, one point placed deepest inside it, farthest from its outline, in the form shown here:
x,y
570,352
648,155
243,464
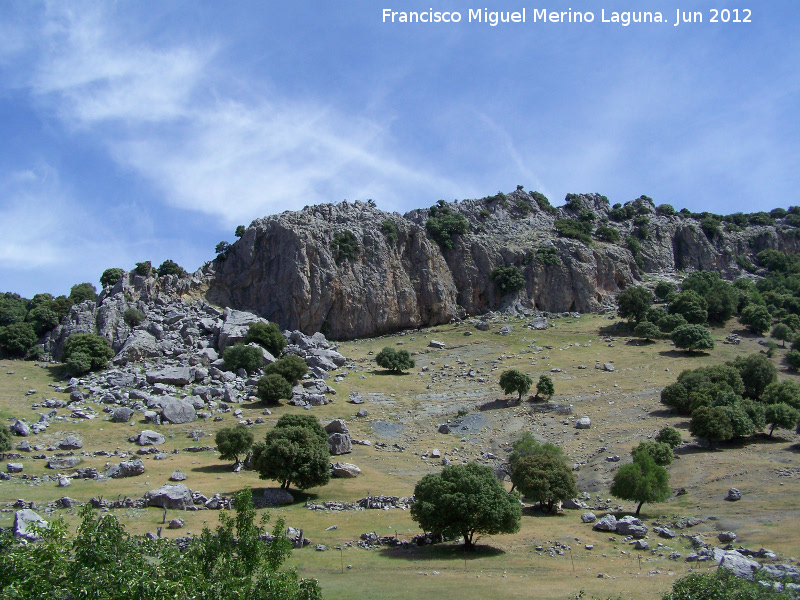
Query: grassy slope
x,y
624,408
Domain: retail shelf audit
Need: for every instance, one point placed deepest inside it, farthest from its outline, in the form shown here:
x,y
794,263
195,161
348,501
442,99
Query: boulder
x,y
171,495
631,526
356,398
339,443
436,344
150,438
235,327
583,423
482,326
177,411
337,426
733,495
14,467
641,545
538,323
506,330
588,517
345,470
70,443
63,463
739,565
64,481
127,468
277,497
171,376
175,524
20,428
444,428
726,537
362,412
122,414
140,345
177,475
23,521
607,523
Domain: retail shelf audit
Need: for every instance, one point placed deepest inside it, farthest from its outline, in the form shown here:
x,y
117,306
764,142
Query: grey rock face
x,y
739,565
337,426
177,476
20,428
127,468
23,519
235,326
14,467
171,495
140,345
588,517
177,411
339,443
171,376
726,537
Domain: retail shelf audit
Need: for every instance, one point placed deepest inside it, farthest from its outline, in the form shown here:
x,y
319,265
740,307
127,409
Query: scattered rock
x,y
630,525
175,495
436,344
733,495
345,470
583,423
726,537
149,437
70,443
588,517
127,468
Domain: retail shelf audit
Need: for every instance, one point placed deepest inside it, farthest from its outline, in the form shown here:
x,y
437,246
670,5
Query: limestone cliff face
x,y
285,268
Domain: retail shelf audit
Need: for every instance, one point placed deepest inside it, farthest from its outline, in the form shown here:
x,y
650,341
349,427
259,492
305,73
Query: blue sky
x,y
149,130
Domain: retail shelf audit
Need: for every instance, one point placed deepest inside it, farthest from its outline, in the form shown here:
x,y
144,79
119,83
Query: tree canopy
x,y
633,302
514,380
641,481
294,456
266,335
233,442
465,500
394,360
545,478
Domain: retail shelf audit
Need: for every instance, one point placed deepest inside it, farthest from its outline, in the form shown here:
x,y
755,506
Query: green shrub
x,y
485,214
545,387
394,360
293,455
548,255
573,229
170,267
634,302
670,436
544,478
793,360
144,268
239,231
222,249
17,338
267,335
757,318
636,250
233,442
691,306
5,438
660,452
292,368
133,317
514,380
544,203
641,481
647,330
389,229
607,233
641,221
663,288
665,210
760,218
523,205
13,308
96,347
241,356
82,292
272,388
710,227
443,224
111,277
345,246
42,318
79,363
507,278
692,338
711,423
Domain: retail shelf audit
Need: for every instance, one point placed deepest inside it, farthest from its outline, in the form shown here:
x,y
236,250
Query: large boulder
x,y
631,526
337,426
63,463
345,470
739,565
583,423
171,376
127,468
23,520
70,443
140,345
339,443
607,523
149,437
122,414
20,428
177,411
235,327
171,495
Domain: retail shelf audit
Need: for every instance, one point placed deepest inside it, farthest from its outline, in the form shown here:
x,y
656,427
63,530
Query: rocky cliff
x,y
286,268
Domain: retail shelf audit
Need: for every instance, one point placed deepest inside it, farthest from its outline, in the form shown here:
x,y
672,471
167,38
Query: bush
x,y
5,438
293,455
636,250
757,318
272,388
545,387
82,292
465,500
239,231
721,585
786,391
514,380
508,278
647,330
670,436
306,421
133,317
79,363
233,442
692,338
111,277
757,373
670,323
721,300
170,267
267,335
782,332
13,308
389,229
43,319
548,255
96,347
711,423
544,203
292,368
443,224
641,481
691,305
241,356
573,229
607,234
222,249
394,360
710,227
665,210
780,415
144,268
660,452
544,478
793,360
633,302
345,246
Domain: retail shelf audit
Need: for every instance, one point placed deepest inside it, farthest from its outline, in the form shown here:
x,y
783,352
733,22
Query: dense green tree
x,y
782,332
757,318
641,481
42,318
633,303
691,306
607,233
111,277
17,339
233,442
239,231
786,391
82,292
721,584
545,387
663,288
272,388
292,368
5,438
170,267
514,380
692,338
669,323
792,322
757,372
507,278
96,347
443,224
659,451
13,308
670,436
243,356
647,330
793,360
574,229
544,478
465,500
722,300
780,415
144,268
526,445
222,249
78,363
306,421
293,456
267,335
711,423
394,360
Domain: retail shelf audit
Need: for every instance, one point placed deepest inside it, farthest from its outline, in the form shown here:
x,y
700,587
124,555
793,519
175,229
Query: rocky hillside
x,y
295,268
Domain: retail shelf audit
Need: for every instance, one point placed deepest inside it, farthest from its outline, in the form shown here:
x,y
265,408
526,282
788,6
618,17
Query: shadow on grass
x,y
617,328
217,468
640,342
497,404
385,372
534,510
444,551
793,448
682,354
663,413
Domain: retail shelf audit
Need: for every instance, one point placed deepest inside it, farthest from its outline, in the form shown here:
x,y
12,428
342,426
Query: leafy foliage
x,y
170,267
660,452
95,347
574,229
81,292
17,339
345,246
507,278
514,380
443,224
293,455
111,277
394,360
465,500
545,387
5,438
757,318
240,229
272,388
641,481
711,423
780,415
757,373
78,363
13,308
691,305
607,233
633,302
670,436
544,478
267,335
233,442
526,445
544,203
222,249
647,330
548,255
721,585
42,318
292,368
133,317
692,338
389,229
144,268
242,356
